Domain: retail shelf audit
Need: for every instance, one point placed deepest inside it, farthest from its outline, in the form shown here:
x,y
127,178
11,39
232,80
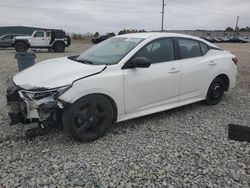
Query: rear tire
x,y
21,47
215,92
88,118
59,47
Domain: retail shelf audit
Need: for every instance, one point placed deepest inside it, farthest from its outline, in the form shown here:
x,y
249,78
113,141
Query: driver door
x,y
157,85
39,39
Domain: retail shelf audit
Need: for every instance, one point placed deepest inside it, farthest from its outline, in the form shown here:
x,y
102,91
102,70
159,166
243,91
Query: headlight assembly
x,y
37,95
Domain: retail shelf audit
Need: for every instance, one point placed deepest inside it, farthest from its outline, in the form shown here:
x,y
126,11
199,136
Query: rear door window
x,y
161,50
189,48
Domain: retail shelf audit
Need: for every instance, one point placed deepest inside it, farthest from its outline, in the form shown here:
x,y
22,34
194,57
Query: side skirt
x,y
157,109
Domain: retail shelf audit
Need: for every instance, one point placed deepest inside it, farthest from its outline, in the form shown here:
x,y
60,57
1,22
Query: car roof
x,y
146,35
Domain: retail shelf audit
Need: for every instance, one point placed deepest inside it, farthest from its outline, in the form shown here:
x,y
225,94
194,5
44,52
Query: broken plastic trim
x,y
14,94
37,95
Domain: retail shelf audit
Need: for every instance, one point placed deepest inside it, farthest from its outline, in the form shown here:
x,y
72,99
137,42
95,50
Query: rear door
x,y
196,66
157,85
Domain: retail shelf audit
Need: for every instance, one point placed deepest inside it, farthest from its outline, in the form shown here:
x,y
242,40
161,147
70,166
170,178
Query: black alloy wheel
x,y
215,92
88,118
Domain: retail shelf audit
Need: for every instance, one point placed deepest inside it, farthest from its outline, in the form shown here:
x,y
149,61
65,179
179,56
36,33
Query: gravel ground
x,y
184,147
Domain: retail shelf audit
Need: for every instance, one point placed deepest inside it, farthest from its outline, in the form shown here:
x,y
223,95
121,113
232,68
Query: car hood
x,y
54,73
23,37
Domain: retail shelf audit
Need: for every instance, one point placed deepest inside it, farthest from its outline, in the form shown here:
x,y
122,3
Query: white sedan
x,y
124,77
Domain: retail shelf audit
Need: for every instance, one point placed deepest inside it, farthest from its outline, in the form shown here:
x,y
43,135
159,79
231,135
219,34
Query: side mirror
x,y
140,62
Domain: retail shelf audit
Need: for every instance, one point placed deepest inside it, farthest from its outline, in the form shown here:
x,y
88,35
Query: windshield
x,y
111,51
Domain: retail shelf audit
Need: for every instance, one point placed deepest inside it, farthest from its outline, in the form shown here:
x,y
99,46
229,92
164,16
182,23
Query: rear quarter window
x,y
204,48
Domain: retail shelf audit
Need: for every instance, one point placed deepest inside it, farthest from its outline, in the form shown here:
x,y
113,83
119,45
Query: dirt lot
x,y
184,147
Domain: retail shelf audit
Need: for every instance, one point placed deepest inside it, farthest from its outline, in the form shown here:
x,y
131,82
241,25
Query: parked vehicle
x,y
237,40
53,40
226,39
99,39
6,41
247,39
209,39
218,40
124,77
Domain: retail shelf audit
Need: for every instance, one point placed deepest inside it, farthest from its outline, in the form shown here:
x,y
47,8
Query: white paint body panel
x,y
138,91
54,73
149,87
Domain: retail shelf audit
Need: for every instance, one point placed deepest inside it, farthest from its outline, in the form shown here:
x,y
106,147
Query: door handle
x,y
43,39
211,63
173,70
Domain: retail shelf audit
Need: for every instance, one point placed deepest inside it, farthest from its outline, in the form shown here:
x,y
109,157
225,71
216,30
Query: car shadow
x,y
120,127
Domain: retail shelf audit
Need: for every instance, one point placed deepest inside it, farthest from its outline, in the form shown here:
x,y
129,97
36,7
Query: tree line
x,y
88,35
244,29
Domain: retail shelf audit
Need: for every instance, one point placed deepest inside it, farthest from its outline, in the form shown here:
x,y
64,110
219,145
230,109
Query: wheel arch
x,y
112,102
24,41
58,41
109,98
225,79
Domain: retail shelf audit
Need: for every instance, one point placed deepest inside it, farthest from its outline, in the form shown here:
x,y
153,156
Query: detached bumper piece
x,y
15,118
15,103
238,132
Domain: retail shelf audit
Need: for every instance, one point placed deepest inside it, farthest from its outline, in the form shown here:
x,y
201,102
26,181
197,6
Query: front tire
x,y
215,92
88,118
21,47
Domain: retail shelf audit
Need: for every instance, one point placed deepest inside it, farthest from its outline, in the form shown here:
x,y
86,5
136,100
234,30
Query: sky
x,y
104,16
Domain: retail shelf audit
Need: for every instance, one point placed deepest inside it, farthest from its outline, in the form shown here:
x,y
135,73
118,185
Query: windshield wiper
x,y
84,61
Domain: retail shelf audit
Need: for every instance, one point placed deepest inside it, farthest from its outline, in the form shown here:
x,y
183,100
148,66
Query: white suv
x,y
53,40
124,77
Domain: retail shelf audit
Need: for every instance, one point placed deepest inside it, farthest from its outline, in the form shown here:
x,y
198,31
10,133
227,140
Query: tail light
x,y
235,60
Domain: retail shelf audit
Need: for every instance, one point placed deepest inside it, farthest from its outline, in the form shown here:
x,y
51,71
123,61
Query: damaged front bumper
x,y
33,106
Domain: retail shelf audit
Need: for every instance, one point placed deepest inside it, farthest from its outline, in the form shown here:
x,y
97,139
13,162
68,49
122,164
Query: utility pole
x,y
236,27
162,14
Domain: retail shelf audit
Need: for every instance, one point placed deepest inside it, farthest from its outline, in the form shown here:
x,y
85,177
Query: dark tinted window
x,y
39,34
48,34
161,50
204,48
7,37
189,48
